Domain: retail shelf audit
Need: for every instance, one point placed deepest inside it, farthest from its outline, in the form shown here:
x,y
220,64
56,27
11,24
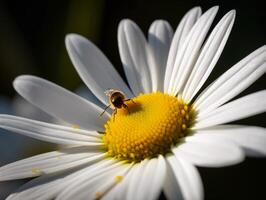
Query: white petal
x,y
207,151
60,103
181,33
24,108
155,174
42,188
233,81
49,186
49,132
183,180
243,107
119,192
114,180
86,184
93,67
171,187
160,37
85,93
152,172
133,52
50,162
135,179
189,51
209,56
97,187
252,139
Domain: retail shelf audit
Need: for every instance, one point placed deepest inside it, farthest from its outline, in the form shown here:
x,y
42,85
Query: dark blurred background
x,y
32,42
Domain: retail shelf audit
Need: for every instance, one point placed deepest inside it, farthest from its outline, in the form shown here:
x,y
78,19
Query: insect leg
x,y
105,110
126,107
115,111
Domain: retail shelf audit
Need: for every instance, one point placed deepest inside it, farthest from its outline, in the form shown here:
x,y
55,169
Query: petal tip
x,y
125,22
73,37
213,9
197,9
17,81
232,13
69,37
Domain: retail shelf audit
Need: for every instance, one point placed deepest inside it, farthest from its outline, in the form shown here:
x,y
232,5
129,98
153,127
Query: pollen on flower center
x,y
150,125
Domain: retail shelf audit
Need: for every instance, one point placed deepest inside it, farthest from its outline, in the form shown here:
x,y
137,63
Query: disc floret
x,y
150,125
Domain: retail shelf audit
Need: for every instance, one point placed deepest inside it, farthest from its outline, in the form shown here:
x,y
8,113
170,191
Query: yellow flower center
x,y
150,125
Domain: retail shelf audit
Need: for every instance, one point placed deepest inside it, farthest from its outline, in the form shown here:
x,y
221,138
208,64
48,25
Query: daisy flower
x,y
160,129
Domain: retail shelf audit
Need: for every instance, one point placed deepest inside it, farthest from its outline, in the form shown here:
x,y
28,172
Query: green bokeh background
x,y
32,42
